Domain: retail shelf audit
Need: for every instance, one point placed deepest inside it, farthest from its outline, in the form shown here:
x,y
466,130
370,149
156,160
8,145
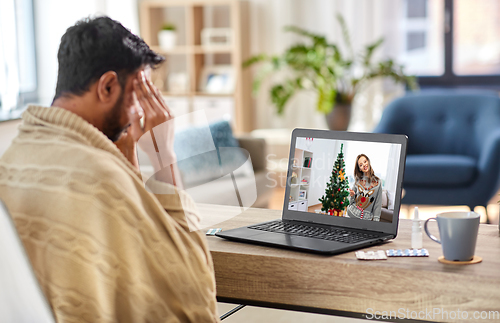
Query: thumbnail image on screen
x,y
353,179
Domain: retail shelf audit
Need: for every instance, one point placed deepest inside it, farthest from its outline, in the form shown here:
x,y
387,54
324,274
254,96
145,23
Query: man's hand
x,y
151,105
161,141
156,112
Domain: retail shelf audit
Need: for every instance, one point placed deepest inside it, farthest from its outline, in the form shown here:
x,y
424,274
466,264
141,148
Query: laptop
x,y
326,210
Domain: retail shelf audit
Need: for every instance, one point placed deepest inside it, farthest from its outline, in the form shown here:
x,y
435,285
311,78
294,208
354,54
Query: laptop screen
x,y
345,178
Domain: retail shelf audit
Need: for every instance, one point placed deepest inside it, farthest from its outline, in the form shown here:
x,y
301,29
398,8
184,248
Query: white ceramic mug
x,y
458,233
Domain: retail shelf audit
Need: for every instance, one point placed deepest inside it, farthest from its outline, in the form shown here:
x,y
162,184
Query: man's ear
x,y
108,87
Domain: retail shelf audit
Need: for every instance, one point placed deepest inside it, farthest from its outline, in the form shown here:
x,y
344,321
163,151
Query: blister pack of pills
x,y
407,253
371,255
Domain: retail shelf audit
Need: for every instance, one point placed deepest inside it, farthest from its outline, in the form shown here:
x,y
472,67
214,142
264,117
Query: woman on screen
x,y
365,201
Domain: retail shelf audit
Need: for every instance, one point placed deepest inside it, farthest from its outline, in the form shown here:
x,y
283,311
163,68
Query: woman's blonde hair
x,y
358,174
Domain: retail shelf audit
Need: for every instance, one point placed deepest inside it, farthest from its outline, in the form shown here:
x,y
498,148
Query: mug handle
x,y
428,233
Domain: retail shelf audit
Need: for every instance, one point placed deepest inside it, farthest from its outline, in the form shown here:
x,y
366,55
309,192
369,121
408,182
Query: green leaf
x,y
326,99
370,49
255,59
317,39
281,93
345,33
276,62
260,76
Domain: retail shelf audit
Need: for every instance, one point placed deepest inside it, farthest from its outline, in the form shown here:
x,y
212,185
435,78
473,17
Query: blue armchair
x,y
453,155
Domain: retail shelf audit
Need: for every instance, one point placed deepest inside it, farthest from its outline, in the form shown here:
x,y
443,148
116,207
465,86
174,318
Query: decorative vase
x,y
339,118
167,39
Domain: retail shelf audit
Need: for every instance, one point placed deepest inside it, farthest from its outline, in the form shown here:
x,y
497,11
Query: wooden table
x,y
342,285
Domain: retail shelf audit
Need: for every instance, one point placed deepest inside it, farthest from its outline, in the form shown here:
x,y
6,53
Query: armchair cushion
x,y
440,170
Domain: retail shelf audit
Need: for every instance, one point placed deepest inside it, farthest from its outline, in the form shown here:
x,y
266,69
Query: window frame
x,y
450,79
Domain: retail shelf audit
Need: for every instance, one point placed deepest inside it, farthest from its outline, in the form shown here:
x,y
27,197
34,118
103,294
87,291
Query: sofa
x,y
453,153
219,168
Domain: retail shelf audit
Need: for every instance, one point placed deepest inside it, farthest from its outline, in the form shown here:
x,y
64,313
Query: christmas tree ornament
x,y
342,174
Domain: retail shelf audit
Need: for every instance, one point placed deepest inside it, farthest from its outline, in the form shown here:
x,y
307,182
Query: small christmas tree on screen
x,y
336,195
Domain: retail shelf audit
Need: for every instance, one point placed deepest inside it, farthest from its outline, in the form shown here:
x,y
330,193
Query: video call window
x,y
354,179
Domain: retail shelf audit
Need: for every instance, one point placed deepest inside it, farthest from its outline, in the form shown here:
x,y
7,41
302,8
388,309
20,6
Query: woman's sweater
x,y
366,203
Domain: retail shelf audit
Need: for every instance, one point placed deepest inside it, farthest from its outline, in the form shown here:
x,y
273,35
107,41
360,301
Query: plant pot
x,y
339,118
167,39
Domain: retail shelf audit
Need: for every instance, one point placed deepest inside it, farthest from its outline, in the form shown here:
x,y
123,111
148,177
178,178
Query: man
x,y
105,249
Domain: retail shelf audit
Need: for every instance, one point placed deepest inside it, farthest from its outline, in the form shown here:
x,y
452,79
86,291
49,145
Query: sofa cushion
x,y
206,153
439,170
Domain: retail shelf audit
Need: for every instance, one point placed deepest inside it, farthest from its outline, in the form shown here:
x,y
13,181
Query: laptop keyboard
x,y
334,234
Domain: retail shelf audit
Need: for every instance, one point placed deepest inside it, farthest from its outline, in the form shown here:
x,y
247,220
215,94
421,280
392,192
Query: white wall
x,y
324,155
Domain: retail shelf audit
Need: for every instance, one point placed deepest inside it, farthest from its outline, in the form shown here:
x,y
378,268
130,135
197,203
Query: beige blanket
x,y
104,249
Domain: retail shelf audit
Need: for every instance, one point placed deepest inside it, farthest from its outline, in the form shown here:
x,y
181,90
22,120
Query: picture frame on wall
x,y
217,79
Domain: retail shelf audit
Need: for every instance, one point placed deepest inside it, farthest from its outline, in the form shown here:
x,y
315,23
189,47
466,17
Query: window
x,y
415,36
476,37
416,40
18,81
416,9
447,42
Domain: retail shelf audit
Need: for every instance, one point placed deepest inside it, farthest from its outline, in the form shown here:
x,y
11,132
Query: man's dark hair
x,y
94,46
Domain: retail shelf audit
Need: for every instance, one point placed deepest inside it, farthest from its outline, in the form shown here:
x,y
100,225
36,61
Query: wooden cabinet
x,y
204,67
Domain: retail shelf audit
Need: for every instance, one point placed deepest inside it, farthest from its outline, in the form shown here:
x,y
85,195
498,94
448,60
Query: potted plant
x,y
167,36
323,68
